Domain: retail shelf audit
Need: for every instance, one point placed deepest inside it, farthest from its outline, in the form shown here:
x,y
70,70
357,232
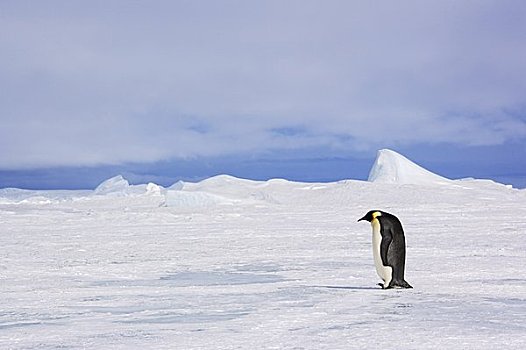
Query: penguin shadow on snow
x,y
348,287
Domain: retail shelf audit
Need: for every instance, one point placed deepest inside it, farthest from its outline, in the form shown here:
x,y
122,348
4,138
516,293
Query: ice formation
x,y
112,185
392,167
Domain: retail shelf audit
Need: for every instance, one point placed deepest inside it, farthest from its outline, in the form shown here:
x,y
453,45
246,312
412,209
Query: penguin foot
x,y
395,285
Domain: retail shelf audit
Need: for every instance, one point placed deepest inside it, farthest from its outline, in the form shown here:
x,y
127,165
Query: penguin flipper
x,y
387,238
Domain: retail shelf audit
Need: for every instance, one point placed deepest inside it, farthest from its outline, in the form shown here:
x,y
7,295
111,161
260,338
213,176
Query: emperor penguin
x,y
388,248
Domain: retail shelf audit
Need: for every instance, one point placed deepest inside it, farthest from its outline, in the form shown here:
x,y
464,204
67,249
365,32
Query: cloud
x,y
120,82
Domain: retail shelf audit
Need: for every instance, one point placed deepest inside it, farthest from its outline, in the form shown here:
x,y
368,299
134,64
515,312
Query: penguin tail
x,y
400,284
404,284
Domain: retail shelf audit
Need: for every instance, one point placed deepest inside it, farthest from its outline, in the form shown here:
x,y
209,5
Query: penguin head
x,y
371,215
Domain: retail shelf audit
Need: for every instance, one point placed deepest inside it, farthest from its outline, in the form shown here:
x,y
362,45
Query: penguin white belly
x,y
384,272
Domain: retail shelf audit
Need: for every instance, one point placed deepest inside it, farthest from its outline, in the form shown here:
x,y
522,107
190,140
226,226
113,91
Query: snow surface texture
x,y
228,263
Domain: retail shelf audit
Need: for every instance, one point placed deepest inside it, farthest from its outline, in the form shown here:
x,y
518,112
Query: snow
x,y
115,184
229,263
392,167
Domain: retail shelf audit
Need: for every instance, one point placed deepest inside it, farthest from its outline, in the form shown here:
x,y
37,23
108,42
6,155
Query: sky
x,y
304,90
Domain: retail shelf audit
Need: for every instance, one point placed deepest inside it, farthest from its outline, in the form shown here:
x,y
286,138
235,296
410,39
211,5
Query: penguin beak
x,y
362,219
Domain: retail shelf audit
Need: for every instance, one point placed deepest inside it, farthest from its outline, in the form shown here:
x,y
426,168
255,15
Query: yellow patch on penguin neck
x,y
374,222
376,214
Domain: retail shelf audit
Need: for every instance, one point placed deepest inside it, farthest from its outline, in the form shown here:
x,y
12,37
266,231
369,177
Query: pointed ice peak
x,y
392,167
114,184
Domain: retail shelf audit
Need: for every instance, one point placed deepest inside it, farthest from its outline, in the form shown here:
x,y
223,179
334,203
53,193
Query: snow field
x,y
237,264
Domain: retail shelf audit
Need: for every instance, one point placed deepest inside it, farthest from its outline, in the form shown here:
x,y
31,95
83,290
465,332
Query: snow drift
x,y
388,168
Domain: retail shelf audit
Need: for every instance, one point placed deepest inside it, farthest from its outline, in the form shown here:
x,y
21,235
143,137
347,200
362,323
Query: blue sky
x,y
305,90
